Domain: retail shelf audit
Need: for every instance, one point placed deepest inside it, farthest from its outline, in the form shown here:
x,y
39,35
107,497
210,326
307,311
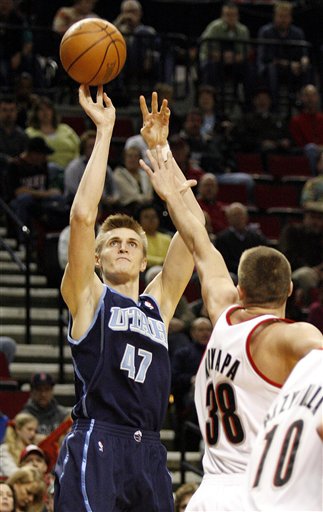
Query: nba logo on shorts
x,y
137,436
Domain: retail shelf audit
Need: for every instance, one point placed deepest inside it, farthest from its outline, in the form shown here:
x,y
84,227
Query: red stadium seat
x,y
229,193
268,195
288,165
250,163
11,402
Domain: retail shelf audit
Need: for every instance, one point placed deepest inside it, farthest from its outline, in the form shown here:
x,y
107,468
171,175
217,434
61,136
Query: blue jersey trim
x,y
83,467
67,456
100,303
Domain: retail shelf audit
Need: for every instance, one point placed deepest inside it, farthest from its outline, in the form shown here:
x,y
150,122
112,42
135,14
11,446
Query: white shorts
x,y
220,493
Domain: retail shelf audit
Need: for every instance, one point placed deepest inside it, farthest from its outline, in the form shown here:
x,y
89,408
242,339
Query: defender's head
x,y
264,277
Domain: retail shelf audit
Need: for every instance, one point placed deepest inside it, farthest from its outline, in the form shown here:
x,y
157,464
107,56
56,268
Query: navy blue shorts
x,y
110,468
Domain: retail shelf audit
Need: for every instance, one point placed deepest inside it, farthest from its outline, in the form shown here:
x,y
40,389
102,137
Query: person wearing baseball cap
x,y
34,456
43,405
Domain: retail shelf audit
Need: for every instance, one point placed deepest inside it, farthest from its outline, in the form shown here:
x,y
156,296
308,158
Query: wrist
x,y
164,149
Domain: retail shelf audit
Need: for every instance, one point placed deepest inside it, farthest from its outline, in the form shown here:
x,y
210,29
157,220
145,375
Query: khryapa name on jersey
x,y
221,362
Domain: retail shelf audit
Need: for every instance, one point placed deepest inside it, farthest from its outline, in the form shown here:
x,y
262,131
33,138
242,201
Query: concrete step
x,y
37,353
39,316
19,280
22,372
15,296
10,267
40,334
190,478
174,458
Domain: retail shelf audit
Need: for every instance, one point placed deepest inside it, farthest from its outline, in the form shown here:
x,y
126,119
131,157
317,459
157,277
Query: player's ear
x,y
241,293
291,287
143,264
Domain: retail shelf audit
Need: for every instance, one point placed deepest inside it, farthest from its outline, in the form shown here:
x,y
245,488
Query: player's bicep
x,y
174,277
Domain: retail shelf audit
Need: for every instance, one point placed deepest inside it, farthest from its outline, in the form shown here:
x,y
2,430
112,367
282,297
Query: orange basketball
x,y
93,51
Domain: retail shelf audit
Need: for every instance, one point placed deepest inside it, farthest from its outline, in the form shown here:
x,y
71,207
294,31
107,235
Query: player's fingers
x,y
186,185
143,107
145,167
164,108
154,102
99,94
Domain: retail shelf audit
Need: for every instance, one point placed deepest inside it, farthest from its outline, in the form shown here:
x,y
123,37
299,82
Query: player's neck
x,y
255,310
128,288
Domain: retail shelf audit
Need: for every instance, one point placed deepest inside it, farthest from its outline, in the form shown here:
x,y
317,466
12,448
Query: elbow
x,y
82,216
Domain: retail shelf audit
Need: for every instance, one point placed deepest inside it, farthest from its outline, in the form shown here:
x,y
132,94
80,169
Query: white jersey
x,y
231,395
286,466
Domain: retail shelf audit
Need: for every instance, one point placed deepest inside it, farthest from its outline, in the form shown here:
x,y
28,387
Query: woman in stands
x,y
20,432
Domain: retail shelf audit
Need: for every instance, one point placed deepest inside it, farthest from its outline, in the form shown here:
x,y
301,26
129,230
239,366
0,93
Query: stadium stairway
x,y
42,354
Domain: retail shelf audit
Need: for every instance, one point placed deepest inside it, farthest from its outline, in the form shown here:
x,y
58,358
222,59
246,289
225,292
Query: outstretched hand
x,y
155,123
102,112
163,176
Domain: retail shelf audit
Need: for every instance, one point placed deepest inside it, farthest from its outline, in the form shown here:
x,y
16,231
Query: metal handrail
x,y
25,268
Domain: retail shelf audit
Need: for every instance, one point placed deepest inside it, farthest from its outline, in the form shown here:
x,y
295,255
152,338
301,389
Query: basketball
x,y
93,51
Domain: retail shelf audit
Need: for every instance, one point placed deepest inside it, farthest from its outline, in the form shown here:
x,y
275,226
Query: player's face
x,y
122,254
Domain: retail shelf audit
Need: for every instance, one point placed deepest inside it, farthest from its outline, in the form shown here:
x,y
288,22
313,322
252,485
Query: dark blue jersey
x,y
121,364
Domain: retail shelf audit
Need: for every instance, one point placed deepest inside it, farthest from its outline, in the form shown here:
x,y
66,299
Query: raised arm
x,y
81,288
169,286
218,290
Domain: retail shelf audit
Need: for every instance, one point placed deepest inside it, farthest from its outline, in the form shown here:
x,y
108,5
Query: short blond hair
x,y
116,221
283,6
264,274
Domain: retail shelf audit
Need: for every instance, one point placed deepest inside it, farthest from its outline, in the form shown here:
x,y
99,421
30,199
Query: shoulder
x,y
266,30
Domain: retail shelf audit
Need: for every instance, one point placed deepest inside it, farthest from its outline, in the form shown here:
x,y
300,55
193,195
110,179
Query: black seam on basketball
x,y
112,41
85,51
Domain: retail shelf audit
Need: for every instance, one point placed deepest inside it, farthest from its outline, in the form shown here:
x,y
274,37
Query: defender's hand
x,y
155,123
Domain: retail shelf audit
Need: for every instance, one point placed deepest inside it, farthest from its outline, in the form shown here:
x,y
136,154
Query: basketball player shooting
x,y
113,458
251,352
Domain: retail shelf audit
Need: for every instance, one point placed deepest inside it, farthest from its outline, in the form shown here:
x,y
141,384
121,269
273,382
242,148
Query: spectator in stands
x,y
214,155
185,364
237,237
183,495
29,489
7,498
261,129
20,432
15,43
213,121
32,455
43,405
227,56
13,139
28,182
44,122
75,169
283,63
313,188
302,244
306,128
181,152
133,183
142,52
25,97
315,310
66,16
208,200
158,241
9,347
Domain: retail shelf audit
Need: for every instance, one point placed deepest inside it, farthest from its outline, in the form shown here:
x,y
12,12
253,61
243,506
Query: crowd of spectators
x,y
42,160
